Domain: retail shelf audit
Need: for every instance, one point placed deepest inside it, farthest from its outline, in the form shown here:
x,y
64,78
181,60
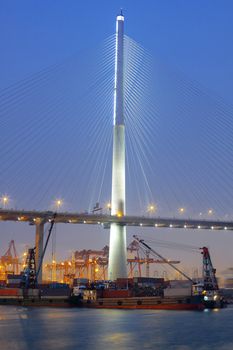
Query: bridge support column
x,y
39,244
117,267
118,253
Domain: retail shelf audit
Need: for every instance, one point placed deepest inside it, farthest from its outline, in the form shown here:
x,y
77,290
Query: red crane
x,y
11,258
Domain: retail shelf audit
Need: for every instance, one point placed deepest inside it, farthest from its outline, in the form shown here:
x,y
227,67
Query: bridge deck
x,y
102,219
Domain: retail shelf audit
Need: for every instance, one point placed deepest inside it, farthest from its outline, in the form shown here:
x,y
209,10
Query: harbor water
x,y
72,328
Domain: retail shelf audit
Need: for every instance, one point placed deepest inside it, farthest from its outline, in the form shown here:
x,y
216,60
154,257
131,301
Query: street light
x,y
109,207
210,211
151,208
5,200
181,210
58,204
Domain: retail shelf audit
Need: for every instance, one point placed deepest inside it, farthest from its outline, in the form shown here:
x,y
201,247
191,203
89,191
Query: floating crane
x,y
208,288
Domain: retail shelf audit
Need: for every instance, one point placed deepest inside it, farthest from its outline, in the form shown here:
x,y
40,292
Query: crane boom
x,y
161,257
46,243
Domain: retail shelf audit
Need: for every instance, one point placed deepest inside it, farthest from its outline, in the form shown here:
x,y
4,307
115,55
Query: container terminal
x,y
87,290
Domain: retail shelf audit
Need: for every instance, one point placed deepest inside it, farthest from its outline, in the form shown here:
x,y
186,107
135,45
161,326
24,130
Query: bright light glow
x,y
58,203
215,297
171,225
185,226
5,200
119,214
198,226
181,210
84,222
156,225
97,270
225,228
151,208
210,211
120,18
140,224
212,227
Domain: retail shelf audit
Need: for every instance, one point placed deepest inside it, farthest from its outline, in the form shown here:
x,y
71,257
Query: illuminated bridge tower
x,y
117,267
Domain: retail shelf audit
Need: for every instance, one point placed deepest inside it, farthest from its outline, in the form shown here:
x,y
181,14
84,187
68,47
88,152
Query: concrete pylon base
x,y
117,266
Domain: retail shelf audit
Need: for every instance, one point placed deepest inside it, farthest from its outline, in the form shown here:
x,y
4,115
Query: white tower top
x,y
118,118
120,18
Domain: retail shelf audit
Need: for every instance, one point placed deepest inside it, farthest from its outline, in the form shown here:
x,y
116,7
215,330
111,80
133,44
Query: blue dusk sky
x,y
192,38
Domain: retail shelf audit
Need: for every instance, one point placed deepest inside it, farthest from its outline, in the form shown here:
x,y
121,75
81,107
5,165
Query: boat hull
x,y
146,303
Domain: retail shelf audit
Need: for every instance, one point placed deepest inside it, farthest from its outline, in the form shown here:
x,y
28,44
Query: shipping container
x,y
10,292
177,292
123,293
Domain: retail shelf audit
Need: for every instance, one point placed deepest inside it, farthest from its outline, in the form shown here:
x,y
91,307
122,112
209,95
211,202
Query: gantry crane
x,y
9,262
93,264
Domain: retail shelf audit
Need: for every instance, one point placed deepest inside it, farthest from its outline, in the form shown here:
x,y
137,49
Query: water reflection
x,y
70,329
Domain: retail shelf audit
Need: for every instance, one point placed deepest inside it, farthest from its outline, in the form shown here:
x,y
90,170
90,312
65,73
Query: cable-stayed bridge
x,y
32,217
178,152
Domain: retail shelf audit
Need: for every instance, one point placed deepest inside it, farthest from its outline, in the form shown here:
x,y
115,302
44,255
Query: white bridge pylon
x,y
117,267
